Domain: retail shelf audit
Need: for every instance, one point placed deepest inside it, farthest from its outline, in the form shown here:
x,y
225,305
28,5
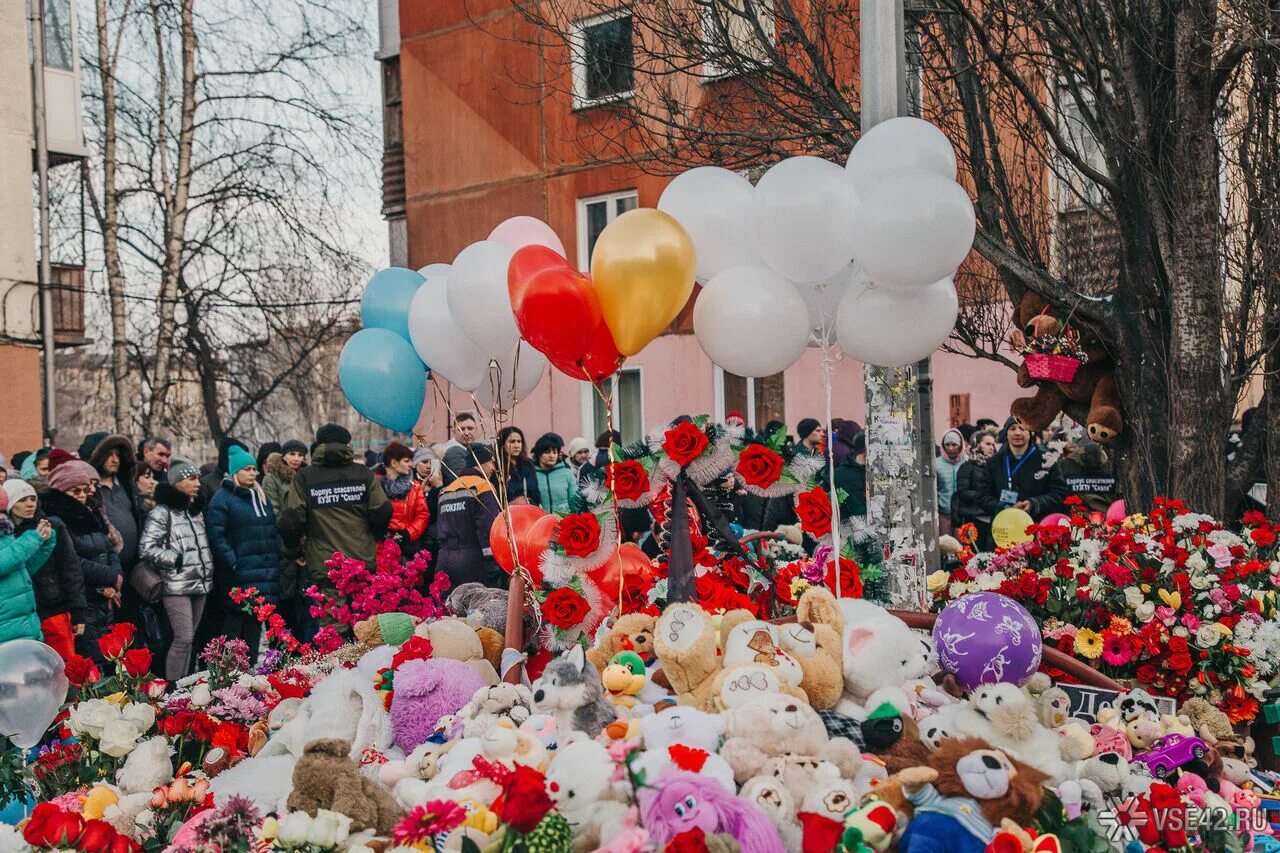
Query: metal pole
x,y
893,462
45,278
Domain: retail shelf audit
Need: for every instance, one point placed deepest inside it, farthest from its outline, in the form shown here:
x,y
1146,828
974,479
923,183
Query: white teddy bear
x,y
580,782
686,738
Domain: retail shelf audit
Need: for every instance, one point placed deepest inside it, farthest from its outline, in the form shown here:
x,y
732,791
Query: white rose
x,y
1274,568
142,716
1133,597
329,829
1146,611
1196,562
1181,631
1201,580
89,717
118,739
1207,636
200,695
987,583
293,829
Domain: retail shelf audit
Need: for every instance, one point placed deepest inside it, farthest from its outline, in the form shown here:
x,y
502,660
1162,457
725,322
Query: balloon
x,y
900,145
629,560
803,218
1117,513
433,269
523,519
383,378
478,297
33,685
823,301
440,341
751,321
987,638
913,229
642,271
880,326
1009,527
600,361
520,231
529,261
386,299
556,311
713,205
512,378
1055,518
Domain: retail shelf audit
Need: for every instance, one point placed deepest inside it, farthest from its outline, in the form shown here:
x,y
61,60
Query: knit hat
x,y
735,414
15,490
70,474
423,454
805,428
181,469
396,628
577,445
551,439
90,443
1004,431
333,434
480,453
395,450
293,446
58,456
237,460
955,437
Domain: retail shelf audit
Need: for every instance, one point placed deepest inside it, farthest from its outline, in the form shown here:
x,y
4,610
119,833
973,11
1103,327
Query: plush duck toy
x,y
623,679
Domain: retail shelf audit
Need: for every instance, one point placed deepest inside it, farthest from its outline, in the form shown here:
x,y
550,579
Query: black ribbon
x,y
681,584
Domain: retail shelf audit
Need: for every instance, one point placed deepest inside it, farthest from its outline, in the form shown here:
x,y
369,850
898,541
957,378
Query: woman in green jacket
x,y
557,484
20,557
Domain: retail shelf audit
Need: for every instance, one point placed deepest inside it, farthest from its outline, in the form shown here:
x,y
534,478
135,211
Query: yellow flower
x,y
1120,626
118,698
1146,588
1222,629
1172,599
1088,644
937,582
798,587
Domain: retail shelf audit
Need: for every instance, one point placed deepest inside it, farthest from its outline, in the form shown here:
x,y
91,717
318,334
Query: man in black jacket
x,y
1017,476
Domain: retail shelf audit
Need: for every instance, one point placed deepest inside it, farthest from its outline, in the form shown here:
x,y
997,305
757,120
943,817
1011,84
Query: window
x,y
594,214
958,410
602,59
759,400
1075,191
626,390
738,35
58,34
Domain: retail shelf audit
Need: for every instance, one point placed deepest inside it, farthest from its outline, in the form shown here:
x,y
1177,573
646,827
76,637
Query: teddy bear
x,y
631,632
1094,383
684,739
391,629
821,812
479,605
426,691
454,639
1114,776
939,726
495,702
580,783
783,736
770,796
883,659
325,777
1004,716
147,767
814,640
504,743
448,774
1210,723
894,737
1110,739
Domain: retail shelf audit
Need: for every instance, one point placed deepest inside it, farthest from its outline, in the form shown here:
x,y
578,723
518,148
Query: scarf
x,y
398,489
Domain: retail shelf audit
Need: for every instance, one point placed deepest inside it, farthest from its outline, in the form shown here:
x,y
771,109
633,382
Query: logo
x,y
1125,820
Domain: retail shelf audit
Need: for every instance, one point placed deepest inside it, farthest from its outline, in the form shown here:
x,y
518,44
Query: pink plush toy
x,y
425,691
1108,739
685,801
1193,787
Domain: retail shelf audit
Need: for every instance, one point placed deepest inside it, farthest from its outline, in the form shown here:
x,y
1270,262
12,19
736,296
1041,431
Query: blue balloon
x,y
385,303
383,378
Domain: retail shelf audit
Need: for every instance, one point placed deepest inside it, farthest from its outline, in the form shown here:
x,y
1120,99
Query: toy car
x,y
1170,752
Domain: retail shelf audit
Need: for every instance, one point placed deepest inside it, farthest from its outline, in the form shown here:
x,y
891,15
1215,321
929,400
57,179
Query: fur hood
x,y
277,468
169,496
124,450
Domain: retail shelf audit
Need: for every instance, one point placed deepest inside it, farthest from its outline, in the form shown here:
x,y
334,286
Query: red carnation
x,y
137,662
628,480
684,443
1262,537
579,534
565,609
759,466
814,510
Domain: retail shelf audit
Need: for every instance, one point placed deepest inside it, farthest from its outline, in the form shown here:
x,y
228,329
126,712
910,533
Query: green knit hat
x,y
396,628
884,711
237,459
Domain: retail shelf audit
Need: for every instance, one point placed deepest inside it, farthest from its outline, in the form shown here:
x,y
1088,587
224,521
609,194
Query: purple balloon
x,y
985,638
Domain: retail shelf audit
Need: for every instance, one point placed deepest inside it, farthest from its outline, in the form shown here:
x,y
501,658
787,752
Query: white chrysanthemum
x,y
1225,537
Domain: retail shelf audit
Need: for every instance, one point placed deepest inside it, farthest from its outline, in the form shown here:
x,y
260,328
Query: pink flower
x,y
1222,556
1116,650
1190,621
422,824
1165,615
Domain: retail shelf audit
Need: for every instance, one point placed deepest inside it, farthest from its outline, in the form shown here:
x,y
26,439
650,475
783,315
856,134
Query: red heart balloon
x,y
556,311
629,560
600,361
523,520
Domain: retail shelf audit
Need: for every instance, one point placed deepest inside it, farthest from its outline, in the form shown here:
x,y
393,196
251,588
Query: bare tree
x,y
1145,128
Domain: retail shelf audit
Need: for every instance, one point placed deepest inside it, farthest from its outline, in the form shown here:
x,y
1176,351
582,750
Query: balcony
x,y
68,306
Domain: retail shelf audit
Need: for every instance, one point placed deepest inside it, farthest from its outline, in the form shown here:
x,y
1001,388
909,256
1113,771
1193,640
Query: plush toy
x,y
687,801
506,744
391,629
326,778
1209,722
579,782
631,632
623,679
880,656
1114,776
453,639
1076,740
569,689
939,726
1094,383
492,703
683,739
1005,717
147,767
784,737
871,826
894,737
1234,770
480,606
427,690
449,775
821,813
1193,788
771,797
814,640
1108,739
1053,705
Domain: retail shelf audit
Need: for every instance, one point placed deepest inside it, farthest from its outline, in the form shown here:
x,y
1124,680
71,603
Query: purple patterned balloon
x,y
986,637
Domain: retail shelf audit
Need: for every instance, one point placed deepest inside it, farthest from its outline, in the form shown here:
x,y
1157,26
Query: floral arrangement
x,y
1174,601
1066,343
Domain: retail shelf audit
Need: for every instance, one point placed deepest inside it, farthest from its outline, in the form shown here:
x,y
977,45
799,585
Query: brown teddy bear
x,y
1094,383
325,777
814,640
631,632
456,640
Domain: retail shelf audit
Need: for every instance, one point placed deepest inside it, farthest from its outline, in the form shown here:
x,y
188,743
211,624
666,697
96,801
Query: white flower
x,y
988,582
1096,583
1207,636
1200,580
88,718
329,829
1224,537
142,716
200,695
957,589
294,829
1146,611
1133,597
1180,631
1274,568
118,739
1196,562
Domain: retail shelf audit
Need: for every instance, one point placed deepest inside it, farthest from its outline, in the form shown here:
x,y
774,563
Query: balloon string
x,y
831,465
613,495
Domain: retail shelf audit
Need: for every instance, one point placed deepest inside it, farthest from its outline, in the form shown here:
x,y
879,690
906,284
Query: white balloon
x,y
713,205
913,229
513,378
440,341
520,231
751,321
890,328
478,296
433,269
823,301
803,215
900,145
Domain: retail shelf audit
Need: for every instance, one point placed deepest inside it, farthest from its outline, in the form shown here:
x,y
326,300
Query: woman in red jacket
x,y
409,516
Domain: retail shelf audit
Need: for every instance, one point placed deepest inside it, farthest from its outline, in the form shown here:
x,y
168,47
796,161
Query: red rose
x,y
579,534
1180,662
628,480
564,608
137,662
1147,673
814,509
524,799
782,583
684,442
50,826
690,841
759,466
1177,644
113,645
98,835
81,670
850,578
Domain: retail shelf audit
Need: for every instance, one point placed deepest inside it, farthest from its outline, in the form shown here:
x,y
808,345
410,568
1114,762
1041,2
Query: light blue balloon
x,y
385,303
383,378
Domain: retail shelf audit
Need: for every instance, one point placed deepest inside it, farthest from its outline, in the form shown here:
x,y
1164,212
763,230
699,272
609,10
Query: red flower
x,y
782,583
414,648
564,608
50,826
97,836
850,578
524,799
579,534
202,727
684,442
628,480
232,737
1178,644
1179,661
814,509
137,662
690,841
81,670
759,466
113,643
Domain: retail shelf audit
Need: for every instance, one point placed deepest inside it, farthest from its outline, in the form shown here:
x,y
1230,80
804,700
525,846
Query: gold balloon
x,y
1009,527
642,270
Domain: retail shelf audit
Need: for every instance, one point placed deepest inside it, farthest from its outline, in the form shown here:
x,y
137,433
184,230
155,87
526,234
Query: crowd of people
x,y
121,532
